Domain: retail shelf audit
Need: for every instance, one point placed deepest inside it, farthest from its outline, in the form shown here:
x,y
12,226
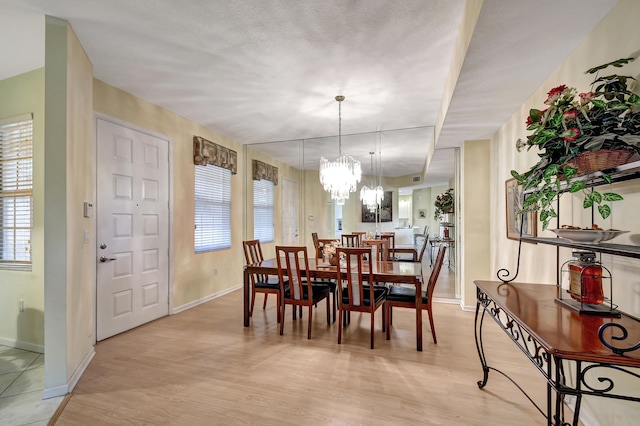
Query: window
x,y
16,191
213,208
263,210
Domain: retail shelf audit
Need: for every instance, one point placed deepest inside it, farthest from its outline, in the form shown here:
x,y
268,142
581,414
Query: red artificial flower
x,y
555,93
586,97
571,134
529,121
567,116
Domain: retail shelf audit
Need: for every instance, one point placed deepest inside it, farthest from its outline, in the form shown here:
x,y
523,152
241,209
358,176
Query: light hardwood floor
x,y
202,367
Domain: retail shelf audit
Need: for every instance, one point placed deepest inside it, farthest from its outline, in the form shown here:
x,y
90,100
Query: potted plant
x,y
443,203
577,134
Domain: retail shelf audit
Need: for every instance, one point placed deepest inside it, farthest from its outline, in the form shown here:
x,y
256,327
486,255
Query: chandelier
x,y
372,197
340,177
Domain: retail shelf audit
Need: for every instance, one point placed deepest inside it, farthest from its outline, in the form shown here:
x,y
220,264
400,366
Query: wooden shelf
x,y
615,249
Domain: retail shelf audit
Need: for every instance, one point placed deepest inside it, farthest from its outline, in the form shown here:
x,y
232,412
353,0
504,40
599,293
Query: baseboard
x,y
205,299
468,308
446,301
25,346
65,389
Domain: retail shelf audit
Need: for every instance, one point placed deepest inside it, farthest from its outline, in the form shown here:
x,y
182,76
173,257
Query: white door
x,y
133,229
289,212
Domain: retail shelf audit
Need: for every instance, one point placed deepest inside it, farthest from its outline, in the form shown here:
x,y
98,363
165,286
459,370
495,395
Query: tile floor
x,y
21,385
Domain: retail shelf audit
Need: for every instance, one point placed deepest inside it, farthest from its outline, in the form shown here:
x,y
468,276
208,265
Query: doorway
x,y
289,212
133,211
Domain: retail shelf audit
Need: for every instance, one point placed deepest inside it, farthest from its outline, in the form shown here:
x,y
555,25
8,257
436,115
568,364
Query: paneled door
x,y
133,229
289,212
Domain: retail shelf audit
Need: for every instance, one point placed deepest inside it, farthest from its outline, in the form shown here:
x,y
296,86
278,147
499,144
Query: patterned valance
x,y
207,152
265,171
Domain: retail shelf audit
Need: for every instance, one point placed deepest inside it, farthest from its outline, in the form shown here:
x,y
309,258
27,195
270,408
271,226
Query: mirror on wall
x,y
398,161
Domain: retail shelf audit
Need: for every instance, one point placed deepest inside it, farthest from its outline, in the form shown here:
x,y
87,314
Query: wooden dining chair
x,y
355,294
405,297
420,254
360,235
391,237
296,289
260,283
350,240
378,248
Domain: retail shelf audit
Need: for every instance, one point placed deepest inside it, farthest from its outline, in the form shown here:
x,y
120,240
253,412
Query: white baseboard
x,y
25,346
586,418
65,389
202,300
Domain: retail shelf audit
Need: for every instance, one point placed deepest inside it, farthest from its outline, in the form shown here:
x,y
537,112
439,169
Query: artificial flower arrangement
x,y
329,251
443,203
574,132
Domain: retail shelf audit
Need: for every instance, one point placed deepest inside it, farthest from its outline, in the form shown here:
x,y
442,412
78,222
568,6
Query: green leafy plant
x,y
606,118
443,203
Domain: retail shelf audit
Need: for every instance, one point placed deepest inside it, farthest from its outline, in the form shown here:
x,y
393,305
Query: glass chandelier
x,y
372,197
340,177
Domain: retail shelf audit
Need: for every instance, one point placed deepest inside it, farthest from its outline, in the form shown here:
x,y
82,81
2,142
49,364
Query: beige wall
x,y
25,94
615,37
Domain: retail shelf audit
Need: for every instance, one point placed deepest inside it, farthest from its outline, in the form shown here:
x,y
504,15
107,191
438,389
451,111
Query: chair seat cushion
x,y
271,282
379,294
404,294
325,281
317,289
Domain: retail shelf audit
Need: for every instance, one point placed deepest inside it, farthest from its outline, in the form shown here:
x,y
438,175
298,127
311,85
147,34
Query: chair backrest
x,y
253,254
435,272
360,235
425,232
293,263
425,243
358,264
350,240
378,248
391,237
314,236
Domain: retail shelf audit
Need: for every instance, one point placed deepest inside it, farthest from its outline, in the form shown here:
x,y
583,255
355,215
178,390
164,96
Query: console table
x,y
560,343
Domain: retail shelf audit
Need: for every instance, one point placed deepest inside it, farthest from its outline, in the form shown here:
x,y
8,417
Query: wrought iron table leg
x,y
480,347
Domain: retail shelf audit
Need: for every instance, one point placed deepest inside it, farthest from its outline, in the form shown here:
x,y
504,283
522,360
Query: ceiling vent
x,y
416,178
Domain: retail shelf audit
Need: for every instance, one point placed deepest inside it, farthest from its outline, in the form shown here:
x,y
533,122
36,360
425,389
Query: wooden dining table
x,y
383,271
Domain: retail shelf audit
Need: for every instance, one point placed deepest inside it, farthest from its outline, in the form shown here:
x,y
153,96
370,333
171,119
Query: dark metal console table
x,y
560,343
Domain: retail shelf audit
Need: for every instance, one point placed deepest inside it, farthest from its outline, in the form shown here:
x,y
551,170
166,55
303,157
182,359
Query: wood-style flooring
x,y
202,367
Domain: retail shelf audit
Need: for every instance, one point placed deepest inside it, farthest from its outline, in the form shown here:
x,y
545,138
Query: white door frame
x,y
297,215
119,122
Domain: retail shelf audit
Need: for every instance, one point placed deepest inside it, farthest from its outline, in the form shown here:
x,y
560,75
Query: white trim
x,y
71,384
206,299
446,301
467,308
586,417
25,346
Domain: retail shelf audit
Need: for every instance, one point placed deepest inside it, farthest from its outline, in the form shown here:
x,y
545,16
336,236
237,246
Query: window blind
x,y
16,191
263,210
212,208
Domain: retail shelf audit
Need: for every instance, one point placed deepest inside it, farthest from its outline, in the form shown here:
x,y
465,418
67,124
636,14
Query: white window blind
x,y
16,191
212,208
263,210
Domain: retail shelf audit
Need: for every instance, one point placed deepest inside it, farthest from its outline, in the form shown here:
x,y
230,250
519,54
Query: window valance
x,y
207,152
265,171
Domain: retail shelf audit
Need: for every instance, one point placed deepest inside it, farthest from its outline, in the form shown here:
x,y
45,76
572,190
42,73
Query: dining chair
x,y
296,288
314,236
260,283
355,294
405,297
360,235
350,240
391,237
420,254
378,248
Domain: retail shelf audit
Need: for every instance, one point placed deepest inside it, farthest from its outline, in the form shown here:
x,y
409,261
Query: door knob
x,y
103,246
107,259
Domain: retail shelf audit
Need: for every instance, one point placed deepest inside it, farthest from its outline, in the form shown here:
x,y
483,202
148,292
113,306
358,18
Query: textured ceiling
x,y
265,71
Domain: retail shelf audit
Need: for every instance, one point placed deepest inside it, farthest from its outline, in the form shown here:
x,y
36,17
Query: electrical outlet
x,y
21,305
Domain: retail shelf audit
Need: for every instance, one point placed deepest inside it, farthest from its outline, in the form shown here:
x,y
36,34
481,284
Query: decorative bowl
x,y
588,235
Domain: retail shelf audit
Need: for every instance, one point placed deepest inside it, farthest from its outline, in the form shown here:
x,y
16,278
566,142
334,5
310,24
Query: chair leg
x,y
433,329
264,304
282,308
278,306
309,322
342,316
373,321
253,302
384,318
294,313
387,308
335,302
390,314
328,311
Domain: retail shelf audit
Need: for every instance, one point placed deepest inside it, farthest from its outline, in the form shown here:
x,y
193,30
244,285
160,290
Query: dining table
x,y
394,272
